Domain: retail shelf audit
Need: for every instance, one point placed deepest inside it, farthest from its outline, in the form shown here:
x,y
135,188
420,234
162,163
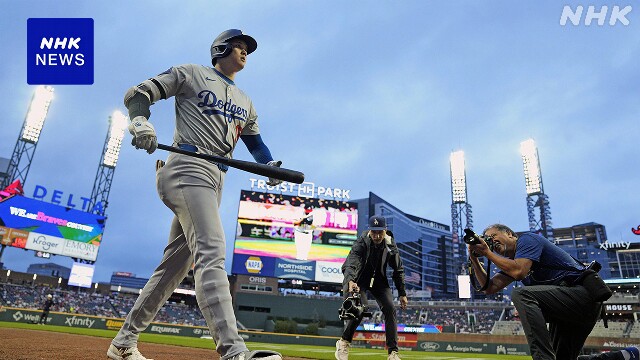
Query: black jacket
x,y
47,305
359,256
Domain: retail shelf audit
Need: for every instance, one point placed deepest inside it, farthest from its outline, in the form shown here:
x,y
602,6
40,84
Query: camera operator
x,y
550,292
366,269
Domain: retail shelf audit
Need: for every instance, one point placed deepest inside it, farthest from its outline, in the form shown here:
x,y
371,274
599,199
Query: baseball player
x,y
45,310
212,114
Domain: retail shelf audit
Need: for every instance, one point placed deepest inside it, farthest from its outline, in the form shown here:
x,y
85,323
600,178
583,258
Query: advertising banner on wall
x,y
329,271
253,265
40,226
379,339
295,269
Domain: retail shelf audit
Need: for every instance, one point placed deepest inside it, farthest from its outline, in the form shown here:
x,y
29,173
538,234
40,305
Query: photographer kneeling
x,y
557,289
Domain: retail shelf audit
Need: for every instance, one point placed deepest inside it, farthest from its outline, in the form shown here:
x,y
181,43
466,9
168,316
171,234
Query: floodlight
x,y
37,113
458,178
119,122
532,176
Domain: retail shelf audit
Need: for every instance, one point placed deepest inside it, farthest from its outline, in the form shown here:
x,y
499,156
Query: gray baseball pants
x,y
192,189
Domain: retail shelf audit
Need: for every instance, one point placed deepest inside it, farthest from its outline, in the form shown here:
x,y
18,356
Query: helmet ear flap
x,y
223,50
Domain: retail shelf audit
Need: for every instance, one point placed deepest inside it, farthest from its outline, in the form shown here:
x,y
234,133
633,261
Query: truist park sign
x,y
306,189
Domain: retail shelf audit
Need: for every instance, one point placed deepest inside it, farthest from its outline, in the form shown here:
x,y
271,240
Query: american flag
x,y
412,277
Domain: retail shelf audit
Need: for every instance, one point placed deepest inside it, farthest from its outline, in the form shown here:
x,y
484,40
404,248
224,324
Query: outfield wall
x,y
253,310
95,322
459,343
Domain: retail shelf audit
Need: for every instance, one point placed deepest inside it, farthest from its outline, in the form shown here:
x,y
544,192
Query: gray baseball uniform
x,y
211,114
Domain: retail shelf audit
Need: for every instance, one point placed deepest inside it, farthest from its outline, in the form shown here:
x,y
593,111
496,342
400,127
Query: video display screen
x,y
293,237
81,275
36,225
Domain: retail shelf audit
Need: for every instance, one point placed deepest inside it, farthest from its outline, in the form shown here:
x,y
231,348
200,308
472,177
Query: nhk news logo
x,y
60,51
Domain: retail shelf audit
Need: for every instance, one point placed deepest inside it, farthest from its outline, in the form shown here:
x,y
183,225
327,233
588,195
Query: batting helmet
x,y
220,47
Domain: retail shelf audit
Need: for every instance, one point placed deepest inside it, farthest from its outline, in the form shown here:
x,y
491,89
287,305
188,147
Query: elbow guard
x,y
139,98
138,104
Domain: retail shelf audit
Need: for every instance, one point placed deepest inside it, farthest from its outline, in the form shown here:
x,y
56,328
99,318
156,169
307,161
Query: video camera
x,y
471,238
352,308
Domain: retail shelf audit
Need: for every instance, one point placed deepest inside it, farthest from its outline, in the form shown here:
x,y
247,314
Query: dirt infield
x,y
20,344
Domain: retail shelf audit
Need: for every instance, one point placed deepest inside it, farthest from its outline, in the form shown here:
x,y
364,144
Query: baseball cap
x,y
377,223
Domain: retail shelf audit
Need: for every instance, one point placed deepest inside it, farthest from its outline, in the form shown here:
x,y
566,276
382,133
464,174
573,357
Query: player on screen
x,y
303,236
212,114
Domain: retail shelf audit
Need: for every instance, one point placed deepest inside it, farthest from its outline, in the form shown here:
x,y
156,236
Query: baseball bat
x,y
292,176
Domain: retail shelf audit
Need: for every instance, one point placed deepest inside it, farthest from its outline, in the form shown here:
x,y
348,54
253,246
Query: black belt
x,y
193,148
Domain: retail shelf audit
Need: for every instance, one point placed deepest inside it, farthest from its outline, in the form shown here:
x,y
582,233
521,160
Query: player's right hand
x,y
144,135
353,287
274,181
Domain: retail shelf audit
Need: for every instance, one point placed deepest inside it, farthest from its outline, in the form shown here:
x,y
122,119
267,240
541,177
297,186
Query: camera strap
x,y
474,281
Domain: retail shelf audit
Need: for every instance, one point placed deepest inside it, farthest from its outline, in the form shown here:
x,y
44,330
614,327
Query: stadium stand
x,y
508,327
617,329
472,317
634,331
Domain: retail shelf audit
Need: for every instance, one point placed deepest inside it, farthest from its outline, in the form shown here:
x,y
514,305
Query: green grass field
x,y
303,351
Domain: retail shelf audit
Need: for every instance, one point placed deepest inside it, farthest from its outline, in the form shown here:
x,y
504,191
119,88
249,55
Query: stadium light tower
x,y
102,184
29,134
460,207
535,191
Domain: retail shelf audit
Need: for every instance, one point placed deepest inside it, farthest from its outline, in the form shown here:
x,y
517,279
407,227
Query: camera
x,y
595,266
352,308
471,238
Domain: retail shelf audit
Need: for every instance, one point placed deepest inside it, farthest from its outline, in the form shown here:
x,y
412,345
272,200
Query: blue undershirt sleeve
x,y
257,148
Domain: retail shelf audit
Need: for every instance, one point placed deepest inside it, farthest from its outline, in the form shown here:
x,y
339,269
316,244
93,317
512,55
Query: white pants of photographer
x,y
570,312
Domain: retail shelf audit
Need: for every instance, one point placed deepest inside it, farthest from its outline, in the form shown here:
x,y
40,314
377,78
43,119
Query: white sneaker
x,y
393,356
258,355
342,349
131,353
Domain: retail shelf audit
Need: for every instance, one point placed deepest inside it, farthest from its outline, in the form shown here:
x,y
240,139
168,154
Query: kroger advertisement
x,y
40,226
293,237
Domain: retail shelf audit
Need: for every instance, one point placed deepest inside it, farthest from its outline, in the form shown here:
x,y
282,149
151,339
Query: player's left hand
x,y
403,302
272,181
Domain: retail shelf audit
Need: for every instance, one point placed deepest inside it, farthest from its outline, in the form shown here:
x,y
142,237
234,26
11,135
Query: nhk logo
x,y
253,264
616,15
60,51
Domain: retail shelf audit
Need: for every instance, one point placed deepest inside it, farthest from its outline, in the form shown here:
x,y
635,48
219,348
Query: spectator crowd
x,y
488,317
